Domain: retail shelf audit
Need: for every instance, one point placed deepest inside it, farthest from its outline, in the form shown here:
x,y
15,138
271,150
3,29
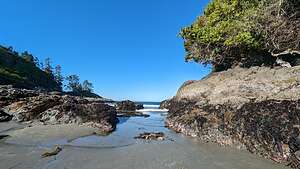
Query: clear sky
x,y
129,49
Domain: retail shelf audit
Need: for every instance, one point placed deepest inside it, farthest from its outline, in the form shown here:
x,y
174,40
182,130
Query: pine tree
x,y
28,57
47,67
74,84
87,86
58,76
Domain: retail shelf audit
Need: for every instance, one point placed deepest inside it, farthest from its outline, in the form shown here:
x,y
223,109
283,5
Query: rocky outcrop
x,y
257,109
129,108
165,104
56,108
139,106
126,105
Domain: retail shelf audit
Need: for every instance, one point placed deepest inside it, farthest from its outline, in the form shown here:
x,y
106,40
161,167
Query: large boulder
x,y
79,111
126,105
139,106
255,109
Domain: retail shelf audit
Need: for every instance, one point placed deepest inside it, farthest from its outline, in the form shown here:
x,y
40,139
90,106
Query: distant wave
x,y
153,110
151,105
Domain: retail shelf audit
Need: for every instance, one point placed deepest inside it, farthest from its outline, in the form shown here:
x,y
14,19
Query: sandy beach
x,y
81,149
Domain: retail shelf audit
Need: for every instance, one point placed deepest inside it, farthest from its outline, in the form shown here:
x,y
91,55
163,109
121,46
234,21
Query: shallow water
x,y
127,129
120,150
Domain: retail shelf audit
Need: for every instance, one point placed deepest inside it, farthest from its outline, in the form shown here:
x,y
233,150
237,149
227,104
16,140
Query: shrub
x,y
242,32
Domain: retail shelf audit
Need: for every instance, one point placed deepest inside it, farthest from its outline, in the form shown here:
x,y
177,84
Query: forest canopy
x,y
25,71
243,32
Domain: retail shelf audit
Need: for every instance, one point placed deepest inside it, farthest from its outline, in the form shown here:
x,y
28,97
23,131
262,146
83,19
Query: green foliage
x,y
74,84
78,89
231,32
48,68
27,57
58,75
21,71
87,86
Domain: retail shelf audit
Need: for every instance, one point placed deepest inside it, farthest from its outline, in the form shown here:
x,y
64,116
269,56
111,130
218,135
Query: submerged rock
x,y
3,136
151,136
52,153
255,109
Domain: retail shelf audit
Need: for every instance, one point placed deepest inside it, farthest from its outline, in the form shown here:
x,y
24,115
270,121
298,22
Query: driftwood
x,y
52,153
292,52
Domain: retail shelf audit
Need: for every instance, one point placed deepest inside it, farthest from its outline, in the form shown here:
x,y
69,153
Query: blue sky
x,y
129,49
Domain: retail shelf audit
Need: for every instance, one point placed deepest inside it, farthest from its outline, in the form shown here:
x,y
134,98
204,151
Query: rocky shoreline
x,y
257,109
53,108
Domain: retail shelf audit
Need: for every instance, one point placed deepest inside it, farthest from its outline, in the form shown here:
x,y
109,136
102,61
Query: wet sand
x,y
119,150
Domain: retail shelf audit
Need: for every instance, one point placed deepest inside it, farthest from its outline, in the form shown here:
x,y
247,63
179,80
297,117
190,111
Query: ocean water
x,y
149,104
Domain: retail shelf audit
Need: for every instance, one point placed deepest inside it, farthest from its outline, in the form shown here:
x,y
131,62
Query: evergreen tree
x,y
47,67
36,62
74,84
28,57
58,76
87,86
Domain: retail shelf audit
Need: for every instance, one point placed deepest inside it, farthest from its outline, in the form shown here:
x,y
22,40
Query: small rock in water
x,y
139,106
52,153
160,136
3,136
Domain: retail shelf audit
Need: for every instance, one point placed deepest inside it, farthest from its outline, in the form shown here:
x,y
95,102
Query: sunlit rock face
x,y
257,109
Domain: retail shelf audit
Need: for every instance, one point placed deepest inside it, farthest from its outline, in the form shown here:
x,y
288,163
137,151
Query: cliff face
x,y
257,109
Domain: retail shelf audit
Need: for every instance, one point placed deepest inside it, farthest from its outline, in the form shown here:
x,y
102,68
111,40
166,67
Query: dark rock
x,y
139,106
294,141
3,136
4,117
294,160
165,104
126,105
